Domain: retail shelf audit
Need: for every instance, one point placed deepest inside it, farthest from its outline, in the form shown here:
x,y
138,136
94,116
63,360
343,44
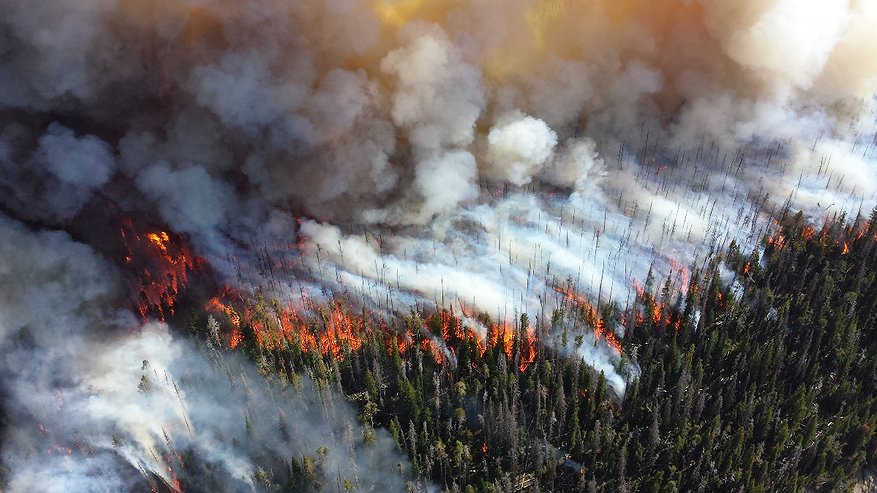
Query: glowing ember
x,y
57,449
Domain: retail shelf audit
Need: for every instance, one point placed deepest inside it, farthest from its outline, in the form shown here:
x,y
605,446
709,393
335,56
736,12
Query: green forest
x,y
757,376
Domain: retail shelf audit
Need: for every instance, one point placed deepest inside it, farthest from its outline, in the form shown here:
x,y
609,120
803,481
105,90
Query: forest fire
x,y
334,331
57,449
235,338
355,169
528,349
502,335
217,305
859,229
159,239
850,233
175,482
342,333
592,318
433,348
638,289
658,313
777,241
684,275
162,265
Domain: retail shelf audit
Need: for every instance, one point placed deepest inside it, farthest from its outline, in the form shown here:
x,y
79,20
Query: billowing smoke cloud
x,y
517,149
480,154
60,286
80,164
189,198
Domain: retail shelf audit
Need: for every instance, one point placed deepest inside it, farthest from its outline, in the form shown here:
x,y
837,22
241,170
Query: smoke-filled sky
x,y
476,153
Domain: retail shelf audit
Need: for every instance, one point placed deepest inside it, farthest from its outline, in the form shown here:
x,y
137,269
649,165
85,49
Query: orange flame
x,y
160,239
528,349
335,332
656,313
502,335
640,291
339,332
162,265
593,317
859,229
176,483
778,241
433,348
684,274
217,305
342,331
236,338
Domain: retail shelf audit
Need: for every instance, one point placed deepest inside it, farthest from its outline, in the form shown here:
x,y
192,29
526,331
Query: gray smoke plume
x,y
472,153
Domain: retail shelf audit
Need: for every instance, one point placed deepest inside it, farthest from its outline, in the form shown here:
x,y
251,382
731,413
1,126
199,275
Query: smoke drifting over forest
x,y
484,154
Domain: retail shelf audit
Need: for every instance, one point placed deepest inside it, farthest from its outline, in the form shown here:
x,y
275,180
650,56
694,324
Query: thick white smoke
x,y
475,153
517,147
